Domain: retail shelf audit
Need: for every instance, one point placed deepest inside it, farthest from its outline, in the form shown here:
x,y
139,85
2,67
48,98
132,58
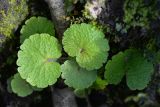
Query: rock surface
x,y
64,98
12,13
58,13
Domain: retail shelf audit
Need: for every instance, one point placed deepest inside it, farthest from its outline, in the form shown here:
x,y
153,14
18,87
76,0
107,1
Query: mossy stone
x,y
12,13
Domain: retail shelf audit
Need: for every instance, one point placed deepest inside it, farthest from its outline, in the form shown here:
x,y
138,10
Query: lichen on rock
x,y
12,13
93,8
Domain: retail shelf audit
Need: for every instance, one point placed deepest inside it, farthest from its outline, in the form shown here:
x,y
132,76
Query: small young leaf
x,y
37,60
77,77
36,25
115,69
87,44
20,86
100,84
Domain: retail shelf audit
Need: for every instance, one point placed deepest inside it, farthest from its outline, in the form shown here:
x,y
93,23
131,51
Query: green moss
x,y
12,13
139,13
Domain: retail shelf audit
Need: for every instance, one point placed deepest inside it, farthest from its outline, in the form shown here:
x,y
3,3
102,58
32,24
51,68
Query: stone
x,y
64,98
57,10
12,13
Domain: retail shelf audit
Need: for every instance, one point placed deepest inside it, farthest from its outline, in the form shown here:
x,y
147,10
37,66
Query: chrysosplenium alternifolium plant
x,y
87,48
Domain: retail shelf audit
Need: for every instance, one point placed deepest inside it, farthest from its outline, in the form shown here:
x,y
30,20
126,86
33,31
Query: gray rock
x,y
64,98
58,13
12,13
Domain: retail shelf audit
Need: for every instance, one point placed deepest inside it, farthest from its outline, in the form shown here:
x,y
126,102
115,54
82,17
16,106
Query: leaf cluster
x,y
87,49
37,57
131,64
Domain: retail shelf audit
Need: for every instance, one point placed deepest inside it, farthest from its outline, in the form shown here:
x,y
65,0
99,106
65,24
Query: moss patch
x,y
12,13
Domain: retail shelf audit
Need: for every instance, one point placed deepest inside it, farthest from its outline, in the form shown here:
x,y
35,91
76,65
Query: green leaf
x,y
20,86
87,44
77,77
80,93
139,71
37,60
115,69
132,64
36,25
100,84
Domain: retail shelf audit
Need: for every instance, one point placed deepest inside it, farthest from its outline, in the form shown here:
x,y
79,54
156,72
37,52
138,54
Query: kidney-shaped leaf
x,y
77,77
36,25
87,44
37,60
139,70
20,86
115,69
